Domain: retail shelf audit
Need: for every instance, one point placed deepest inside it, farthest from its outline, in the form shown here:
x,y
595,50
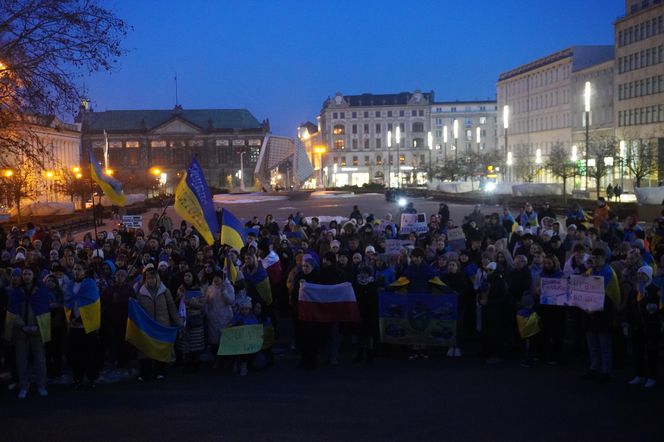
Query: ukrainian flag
x,y
231,270
87,301
261,283
193,202
528,323
109,185
39,303
232,231
147,335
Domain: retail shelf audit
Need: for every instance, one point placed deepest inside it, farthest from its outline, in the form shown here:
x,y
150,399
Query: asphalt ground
x,y
394,399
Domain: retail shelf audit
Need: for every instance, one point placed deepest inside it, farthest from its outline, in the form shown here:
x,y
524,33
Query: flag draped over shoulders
x,y
260,280
193,202
39,303
87,301
147,335
111,187
327,303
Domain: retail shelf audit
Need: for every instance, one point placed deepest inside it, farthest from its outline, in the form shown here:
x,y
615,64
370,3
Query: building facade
x,y
639,77
365,134
542,99
226,142
476,128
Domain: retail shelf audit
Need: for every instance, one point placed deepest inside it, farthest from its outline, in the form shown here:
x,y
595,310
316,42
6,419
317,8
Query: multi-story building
x,y
476,128
225,141
365,134
543,100
639,77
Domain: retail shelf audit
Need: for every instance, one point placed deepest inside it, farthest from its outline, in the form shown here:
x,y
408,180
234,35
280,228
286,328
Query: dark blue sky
x,y
281,59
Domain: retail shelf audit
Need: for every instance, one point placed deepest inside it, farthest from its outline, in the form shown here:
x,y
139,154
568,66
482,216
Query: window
x,y
482,120
402,126
418,143
389,114
468,122
413,113
198,143
402,159
391,160
377,114
389,126
421,159
453,109
354,115
115,144
366,129
132,144
469,135
379,160
378,143
343,161
401,113
339,129
366,115
355,161
354,143
377,128
342,115
335,115
366,160
366,143
159,143
339,144
219,143
354,128
418,127
132,156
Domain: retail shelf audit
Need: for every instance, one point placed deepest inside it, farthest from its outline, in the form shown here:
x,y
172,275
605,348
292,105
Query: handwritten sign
x,y
554,291
133,221
587,292
241,340
394,246
413,222
584,292
456,238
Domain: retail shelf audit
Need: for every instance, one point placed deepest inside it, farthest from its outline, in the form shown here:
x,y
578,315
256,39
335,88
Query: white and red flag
x,y
327,303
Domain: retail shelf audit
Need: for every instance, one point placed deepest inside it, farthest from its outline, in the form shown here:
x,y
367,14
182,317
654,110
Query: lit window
x,y
339,129
339,144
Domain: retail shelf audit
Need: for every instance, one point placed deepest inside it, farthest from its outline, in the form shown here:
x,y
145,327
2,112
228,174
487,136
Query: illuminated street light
x,y
574,156
110,172
8,173
430,142
586,106
455,132
155,171
76,169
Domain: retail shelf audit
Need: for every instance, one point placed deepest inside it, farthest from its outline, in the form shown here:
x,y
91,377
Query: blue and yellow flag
x,y
88,304
232,231
39,303
527,322
193,202
231,270
147,335
109,185
261,282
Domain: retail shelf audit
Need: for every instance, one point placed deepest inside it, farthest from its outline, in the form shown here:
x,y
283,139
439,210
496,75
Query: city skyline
x,y
282,61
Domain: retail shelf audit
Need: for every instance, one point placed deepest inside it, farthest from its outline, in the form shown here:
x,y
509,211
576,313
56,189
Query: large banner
x,y
418,318
413,222
585,292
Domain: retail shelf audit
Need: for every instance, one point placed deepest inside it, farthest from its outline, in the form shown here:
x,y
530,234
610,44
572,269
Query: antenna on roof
x,y
176,89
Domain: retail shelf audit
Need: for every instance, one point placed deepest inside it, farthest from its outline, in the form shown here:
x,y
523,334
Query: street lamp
x,y
241,176
586,96
430,141
320,150
506,125
445,140
622,161
398,139
478,137
389,159
455,130
155,171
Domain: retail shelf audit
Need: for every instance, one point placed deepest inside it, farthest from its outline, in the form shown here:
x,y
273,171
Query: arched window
x,y
418,127
339,129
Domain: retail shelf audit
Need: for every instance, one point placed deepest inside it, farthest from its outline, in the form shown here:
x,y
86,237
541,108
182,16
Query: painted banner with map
x,y
418,318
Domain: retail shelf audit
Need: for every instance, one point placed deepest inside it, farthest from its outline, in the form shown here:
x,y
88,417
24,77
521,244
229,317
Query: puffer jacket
x,y
159,305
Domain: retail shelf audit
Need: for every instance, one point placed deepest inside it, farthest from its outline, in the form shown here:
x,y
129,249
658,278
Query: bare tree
x,y
560,165
527,169
46,46
600,149
641,158
20,181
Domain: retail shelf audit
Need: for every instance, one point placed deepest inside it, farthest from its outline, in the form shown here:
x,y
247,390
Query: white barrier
x,y
649,195
537,189
45,209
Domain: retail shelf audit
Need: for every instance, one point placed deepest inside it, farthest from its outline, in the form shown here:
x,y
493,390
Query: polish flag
x,y
327,303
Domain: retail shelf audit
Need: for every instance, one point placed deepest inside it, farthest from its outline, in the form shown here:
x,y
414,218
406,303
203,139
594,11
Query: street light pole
x,y
455,129
622,162
389,159
445,142
242,171
587,119
506,125
430,141
398,157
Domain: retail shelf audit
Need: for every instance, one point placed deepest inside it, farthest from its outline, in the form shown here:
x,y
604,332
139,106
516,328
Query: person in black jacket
x,y
366,292
497,309
643,316
458,281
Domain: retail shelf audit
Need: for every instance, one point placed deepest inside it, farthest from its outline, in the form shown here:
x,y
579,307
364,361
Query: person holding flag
x,y
29,323
83,312
193,202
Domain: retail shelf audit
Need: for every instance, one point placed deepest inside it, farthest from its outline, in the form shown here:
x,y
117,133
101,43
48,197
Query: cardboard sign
x,y
456,238
241,340
133,221
554,291
394,246
413,222
584,292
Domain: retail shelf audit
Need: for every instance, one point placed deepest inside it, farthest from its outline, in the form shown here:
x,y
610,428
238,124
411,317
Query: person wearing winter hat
x,y
244,316
497,314
644,327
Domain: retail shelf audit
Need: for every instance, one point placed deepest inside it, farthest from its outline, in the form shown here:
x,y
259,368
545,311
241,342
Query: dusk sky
x,y
282,59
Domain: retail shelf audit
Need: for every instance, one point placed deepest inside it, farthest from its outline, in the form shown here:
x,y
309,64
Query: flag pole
x,y
94,215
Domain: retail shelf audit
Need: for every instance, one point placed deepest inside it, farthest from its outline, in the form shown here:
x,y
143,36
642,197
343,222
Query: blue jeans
x,y
600,346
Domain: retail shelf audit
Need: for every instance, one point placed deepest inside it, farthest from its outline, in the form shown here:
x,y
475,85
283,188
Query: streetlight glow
x,y
445,134
398,137
575,153
430,140
586,97
509,158
622,149
76,169
8,173
538,156
478,134
155,171
389,139
109,172
506,117
455,128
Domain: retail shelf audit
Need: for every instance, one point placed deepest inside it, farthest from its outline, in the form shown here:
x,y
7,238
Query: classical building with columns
x,y
365,134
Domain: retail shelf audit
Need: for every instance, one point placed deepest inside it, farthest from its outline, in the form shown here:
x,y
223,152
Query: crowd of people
x,y
495,271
